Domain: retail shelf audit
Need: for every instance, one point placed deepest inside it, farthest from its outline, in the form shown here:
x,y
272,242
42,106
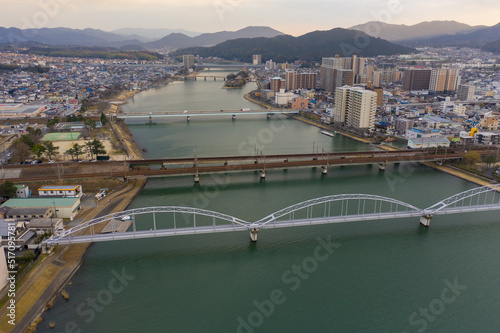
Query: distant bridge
x,y
193,113
177,221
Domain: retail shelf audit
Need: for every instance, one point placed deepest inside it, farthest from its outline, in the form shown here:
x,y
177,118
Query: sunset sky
x,y
291,16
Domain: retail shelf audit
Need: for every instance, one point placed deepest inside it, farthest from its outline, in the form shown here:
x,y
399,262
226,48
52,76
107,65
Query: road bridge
x,y
166,221
197,113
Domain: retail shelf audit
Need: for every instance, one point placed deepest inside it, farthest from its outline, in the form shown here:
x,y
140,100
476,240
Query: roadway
x,y
194,113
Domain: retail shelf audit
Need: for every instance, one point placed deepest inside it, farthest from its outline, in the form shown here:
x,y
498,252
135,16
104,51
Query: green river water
x,y
375,276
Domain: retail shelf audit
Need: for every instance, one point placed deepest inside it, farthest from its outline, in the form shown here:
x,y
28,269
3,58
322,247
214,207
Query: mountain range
x,y
310,47
178,40
153,34
434,33
402,32
95,37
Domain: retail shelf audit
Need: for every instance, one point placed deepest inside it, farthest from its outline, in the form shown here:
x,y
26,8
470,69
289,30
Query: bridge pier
x,y
196,178
46,249
426,220
253,232
324,169
382,166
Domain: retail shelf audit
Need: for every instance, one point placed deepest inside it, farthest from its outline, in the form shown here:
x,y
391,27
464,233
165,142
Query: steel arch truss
x,y
476,199
361,204
149,210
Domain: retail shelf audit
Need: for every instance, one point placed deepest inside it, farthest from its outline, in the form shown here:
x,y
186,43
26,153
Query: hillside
x,y
492,47
310,47
179,40
474,39
400,32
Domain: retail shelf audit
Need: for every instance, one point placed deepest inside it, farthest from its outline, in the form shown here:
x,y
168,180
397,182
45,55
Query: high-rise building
x,y
416,79
437,81
188,61
465,92
257,59
377,78
452,78
355,107
443,79
277,84
296,80
271,65
339,71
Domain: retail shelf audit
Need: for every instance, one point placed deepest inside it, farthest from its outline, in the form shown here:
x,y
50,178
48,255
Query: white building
x,y
459,109
282,97
22,191
355,107
420,143
60,191
422,132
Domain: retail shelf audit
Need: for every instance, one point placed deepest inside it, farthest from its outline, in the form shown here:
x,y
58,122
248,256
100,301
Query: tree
x,y
89,149
54,121
490,160
104,119
8,189
77,150
472,157
90,123
27,140
70,152
20,151
50,149
97,147
38,150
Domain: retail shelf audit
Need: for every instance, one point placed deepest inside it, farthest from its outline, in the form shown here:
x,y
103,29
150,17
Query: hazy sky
x,y
294,17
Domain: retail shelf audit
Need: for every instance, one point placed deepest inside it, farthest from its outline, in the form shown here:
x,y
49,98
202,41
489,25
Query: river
x,y
377,276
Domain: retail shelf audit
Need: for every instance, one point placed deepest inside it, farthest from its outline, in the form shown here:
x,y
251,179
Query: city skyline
x,y
291,17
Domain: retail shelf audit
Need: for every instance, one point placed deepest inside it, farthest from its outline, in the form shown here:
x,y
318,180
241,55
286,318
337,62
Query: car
x,y
52,161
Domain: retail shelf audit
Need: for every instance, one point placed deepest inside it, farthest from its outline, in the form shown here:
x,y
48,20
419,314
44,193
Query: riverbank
x,y
37,288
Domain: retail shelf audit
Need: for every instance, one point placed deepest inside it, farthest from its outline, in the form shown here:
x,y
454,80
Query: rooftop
x,y
40,202
58,188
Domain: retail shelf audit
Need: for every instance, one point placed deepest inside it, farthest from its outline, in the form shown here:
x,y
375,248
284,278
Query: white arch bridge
x,y
175,221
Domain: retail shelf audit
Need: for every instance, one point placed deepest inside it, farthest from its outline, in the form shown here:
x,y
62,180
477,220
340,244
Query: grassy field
x,y
62,136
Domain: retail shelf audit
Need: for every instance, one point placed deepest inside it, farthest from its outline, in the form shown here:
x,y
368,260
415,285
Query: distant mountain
x,y
492,47
95,37
60,36
475,39
311,47
178,40
153,34
400,32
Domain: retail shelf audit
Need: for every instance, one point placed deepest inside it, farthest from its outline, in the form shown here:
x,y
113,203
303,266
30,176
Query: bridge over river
x,y
341,208
197,166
